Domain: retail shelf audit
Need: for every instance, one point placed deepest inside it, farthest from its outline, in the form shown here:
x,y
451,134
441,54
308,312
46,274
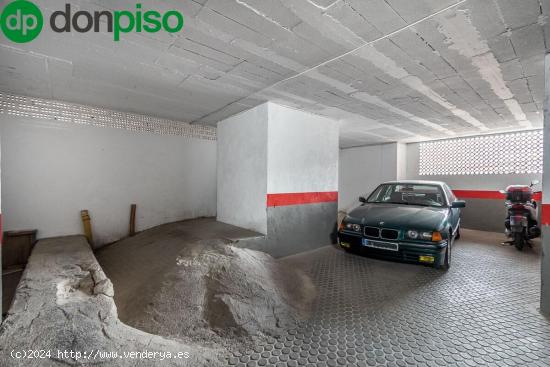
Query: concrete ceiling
x,y
474,68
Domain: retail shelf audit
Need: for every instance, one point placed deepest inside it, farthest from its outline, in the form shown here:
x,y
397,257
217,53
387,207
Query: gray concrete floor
x,y
484,311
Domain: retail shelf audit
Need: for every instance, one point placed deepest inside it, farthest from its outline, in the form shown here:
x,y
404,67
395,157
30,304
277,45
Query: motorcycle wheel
x,y
518,241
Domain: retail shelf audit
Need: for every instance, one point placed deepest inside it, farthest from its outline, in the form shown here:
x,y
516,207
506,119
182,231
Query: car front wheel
x,y
448,252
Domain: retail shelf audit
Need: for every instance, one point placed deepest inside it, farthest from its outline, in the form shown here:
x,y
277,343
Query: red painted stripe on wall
x,y
545,215
297,198
478,194
487,194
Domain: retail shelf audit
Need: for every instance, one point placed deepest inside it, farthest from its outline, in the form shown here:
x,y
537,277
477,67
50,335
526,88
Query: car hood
x,y
400,216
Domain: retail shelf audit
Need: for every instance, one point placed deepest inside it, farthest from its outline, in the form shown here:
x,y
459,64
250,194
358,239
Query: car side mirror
x,y
458,204
362,199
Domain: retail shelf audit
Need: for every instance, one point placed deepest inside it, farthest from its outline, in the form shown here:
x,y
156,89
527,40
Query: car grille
x,y
372,232
385,233
389,234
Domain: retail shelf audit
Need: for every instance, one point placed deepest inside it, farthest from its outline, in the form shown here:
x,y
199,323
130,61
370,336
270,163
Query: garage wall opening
x,y
476,168
515,153
59,158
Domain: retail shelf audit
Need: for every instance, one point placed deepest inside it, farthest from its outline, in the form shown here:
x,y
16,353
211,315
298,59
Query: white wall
x,y
401,152
362,169
52,170
302,152
242,169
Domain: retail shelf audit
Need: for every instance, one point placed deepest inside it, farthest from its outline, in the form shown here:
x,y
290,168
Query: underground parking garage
x,y
275,183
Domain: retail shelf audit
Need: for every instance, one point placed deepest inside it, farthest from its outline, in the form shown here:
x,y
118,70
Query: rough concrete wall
x,y
242,169
362,169
480,214
52,170
65,303
545,266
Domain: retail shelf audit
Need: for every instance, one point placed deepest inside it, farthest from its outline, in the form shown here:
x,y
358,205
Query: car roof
x,y
416,182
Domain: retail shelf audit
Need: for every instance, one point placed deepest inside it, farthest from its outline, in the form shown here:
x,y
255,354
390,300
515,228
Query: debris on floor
x,y
64,310
217,290
203,289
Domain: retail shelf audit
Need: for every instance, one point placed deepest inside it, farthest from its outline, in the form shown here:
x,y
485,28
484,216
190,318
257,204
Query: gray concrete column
x,y
545,216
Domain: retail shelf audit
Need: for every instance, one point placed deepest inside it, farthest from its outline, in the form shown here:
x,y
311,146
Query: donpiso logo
x,y
21,21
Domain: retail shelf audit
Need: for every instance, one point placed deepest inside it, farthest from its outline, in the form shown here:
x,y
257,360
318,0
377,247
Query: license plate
x,y
391,246
517,220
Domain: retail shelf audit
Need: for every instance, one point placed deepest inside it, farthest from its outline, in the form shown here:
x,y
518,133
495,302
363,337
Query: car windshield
x,y
408,194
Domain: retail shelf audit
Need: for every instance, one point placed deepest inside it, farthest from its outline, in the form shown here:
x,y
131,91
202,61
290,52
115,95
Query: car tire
x,y
448,255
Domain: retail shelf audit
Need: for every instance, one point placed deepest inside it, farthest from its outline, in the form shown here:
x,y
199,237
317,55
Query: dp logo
x,y
21,21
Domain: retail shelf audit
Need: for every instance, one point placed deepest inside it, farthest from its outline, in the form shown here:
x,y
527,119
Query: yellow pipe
x,y
87,223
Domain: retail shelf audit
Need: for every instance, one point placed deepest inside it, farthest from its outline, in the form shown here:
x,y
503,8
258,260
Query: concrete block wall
x,y
294,161
484,213
52,170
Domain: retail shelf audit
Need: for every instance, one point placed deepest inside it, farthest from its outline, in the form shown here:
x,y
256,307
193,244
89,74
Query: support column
x,y
545,216
302,180
1,234
278,175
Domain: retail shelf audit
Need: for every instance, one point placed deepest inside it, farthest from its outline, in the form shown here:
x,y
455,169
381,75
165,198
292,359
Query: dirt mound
x,y
218,293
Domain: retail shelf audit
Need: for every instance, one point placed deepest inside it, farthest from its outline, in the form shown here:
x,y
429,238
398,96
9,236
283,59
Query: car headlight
x,y
423,235
412,234
353,227
427,236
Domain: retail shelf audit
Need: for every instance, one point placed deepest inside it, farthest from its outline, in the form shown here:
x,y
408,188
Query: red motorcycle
x,y
521,222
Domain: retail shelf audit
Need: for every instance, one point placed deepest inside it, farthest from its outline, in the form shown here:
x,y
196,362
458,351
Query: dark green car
x,y
413,221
